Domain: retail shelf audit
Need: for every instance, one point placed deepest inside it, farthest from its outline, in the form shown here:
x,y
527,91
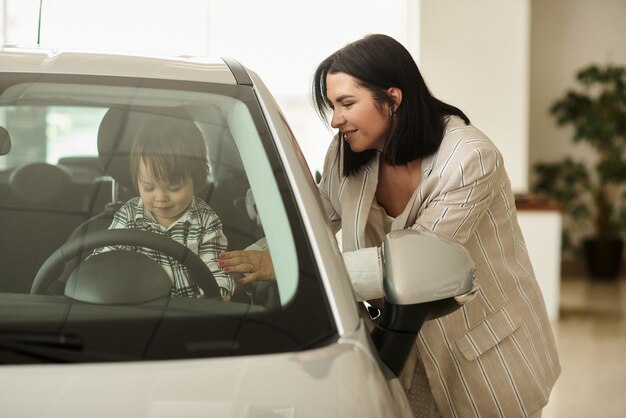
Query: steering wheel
x,y
53,267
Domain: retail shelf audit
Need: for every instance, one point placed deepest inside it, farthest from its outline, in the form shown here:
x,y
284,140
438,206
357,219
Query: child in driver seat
x,y
169,164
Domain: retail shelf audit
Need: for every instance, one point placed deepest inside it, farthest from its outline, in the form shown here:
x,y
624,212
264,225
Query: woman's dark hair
x,y
173,150
379,62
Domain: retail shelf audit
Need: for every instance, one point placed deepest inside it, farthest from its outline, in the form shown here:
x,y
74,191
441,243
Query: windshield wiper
x,y
44,339
53,347
44,346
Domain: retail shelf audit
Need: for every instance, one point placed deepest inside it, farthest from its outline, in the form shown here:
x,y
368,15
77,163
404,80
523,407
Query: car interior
x,y
80,194
65,171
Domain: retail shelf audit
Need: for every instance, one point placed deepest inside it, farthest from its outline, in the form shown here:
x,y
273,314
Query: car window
x,y
69,177
52,133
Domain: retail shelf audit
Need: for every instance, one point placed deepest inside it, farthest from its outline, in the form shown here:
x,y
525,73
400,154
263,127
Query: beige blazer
x,y
497,355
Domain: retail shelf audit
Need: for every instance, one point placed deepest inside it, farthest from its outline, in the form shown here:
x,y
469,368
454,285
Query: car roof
x,y
25,59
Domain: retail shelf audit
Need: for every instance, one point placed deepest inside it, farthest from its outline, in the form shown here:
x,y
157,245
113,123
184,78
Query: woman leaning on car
x,y
404,159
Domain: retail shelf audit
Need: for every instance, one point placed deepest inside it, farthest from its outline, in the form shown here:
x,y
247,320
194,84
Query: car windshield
x,y
79,281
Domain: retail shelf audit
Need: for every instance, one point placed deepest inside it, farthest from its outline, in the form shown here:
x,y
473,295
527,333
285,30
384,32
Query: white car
x,y
79,339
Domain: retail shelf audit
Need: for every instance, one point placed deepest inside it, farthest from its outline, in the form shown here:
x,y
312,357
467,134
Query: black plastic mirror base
x,y
395,332
443,307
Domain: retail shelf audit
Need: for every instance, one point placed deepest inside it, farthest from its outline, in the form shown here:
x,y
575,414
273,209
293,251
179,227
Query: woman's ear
x,y
396,96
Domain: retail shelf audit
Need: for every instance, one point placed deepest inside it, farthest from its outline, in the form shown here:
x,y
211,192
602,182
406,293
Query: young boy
x,y
168,164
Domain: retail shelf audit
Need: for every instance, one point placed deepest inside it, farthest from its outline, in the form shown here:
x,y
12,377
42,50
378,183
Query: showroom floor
x,y
591,335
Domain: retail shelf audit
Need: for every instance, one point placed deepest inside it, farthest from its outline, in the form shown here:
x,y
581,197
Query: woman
x,y
403,159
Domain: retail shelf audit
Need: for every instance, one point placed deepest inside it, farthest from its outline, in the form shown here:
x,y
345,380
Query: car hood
x,y
341,379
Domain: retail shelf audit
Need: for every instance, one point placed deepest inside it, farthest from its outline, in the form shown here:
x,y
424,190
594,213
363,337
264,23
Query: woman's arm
x,y
364,265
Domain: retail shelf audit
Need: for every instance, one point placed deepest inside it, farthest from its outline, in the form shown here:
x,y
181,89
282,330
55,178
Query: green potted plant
x,y
592,193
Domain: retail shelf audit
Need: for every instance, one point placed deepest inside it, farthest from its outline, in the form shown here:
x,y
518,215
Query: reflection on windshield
x,y
182,176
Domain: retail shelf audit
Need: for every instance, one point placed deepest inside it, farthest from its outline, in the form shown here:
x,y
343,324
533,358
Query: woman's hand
x,y
256,265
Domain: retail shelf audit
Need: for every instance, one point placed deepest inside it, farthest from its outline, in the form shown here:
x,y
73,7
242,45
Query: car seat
x,y
227,191
35,201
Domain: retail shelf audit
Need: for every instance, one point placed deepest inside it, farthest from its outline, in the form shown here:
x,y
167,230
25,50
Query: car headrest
x,y
40,182
5,141
116,134
223,154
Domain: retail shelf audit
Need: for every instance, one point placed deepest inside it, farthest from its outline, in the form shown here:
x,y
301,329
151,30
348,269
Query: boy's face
x,y
166,202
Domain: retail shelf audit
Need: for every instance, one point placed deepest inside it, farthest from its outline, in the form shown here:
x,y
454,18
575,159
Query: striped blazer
x,y
496,356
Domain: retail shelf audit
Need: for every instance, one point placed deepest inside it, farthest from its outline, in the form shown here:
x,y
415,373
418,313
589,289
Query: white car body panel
x,y
38,60
339,380
344,378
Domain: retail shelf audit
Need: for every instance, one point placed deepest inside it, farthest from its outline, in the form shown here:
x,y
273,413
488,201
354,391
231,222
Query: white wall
x,y
475,55
149,26
567,35
283,41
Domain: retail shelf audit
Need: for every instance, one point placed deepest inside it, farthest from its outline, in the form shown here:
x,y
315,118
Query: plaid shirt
x,y
199,229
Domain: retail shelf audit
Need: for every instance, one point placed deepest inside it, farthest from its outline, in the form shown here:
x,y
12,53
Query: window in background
x,y
281,40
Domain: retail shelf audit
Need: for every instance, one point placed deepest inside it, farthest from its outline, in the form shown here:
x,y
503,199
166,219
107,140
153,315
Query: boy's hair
x,y
173,150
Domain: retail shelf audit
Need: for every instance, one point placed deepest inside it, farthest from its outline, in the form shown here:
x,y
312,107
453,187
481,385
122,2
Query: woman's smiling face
x,y
362,122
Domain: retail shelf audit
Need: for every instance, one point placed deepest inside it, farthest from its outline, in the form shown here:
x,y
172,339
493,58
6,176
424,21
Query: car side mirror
x,y
426,276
